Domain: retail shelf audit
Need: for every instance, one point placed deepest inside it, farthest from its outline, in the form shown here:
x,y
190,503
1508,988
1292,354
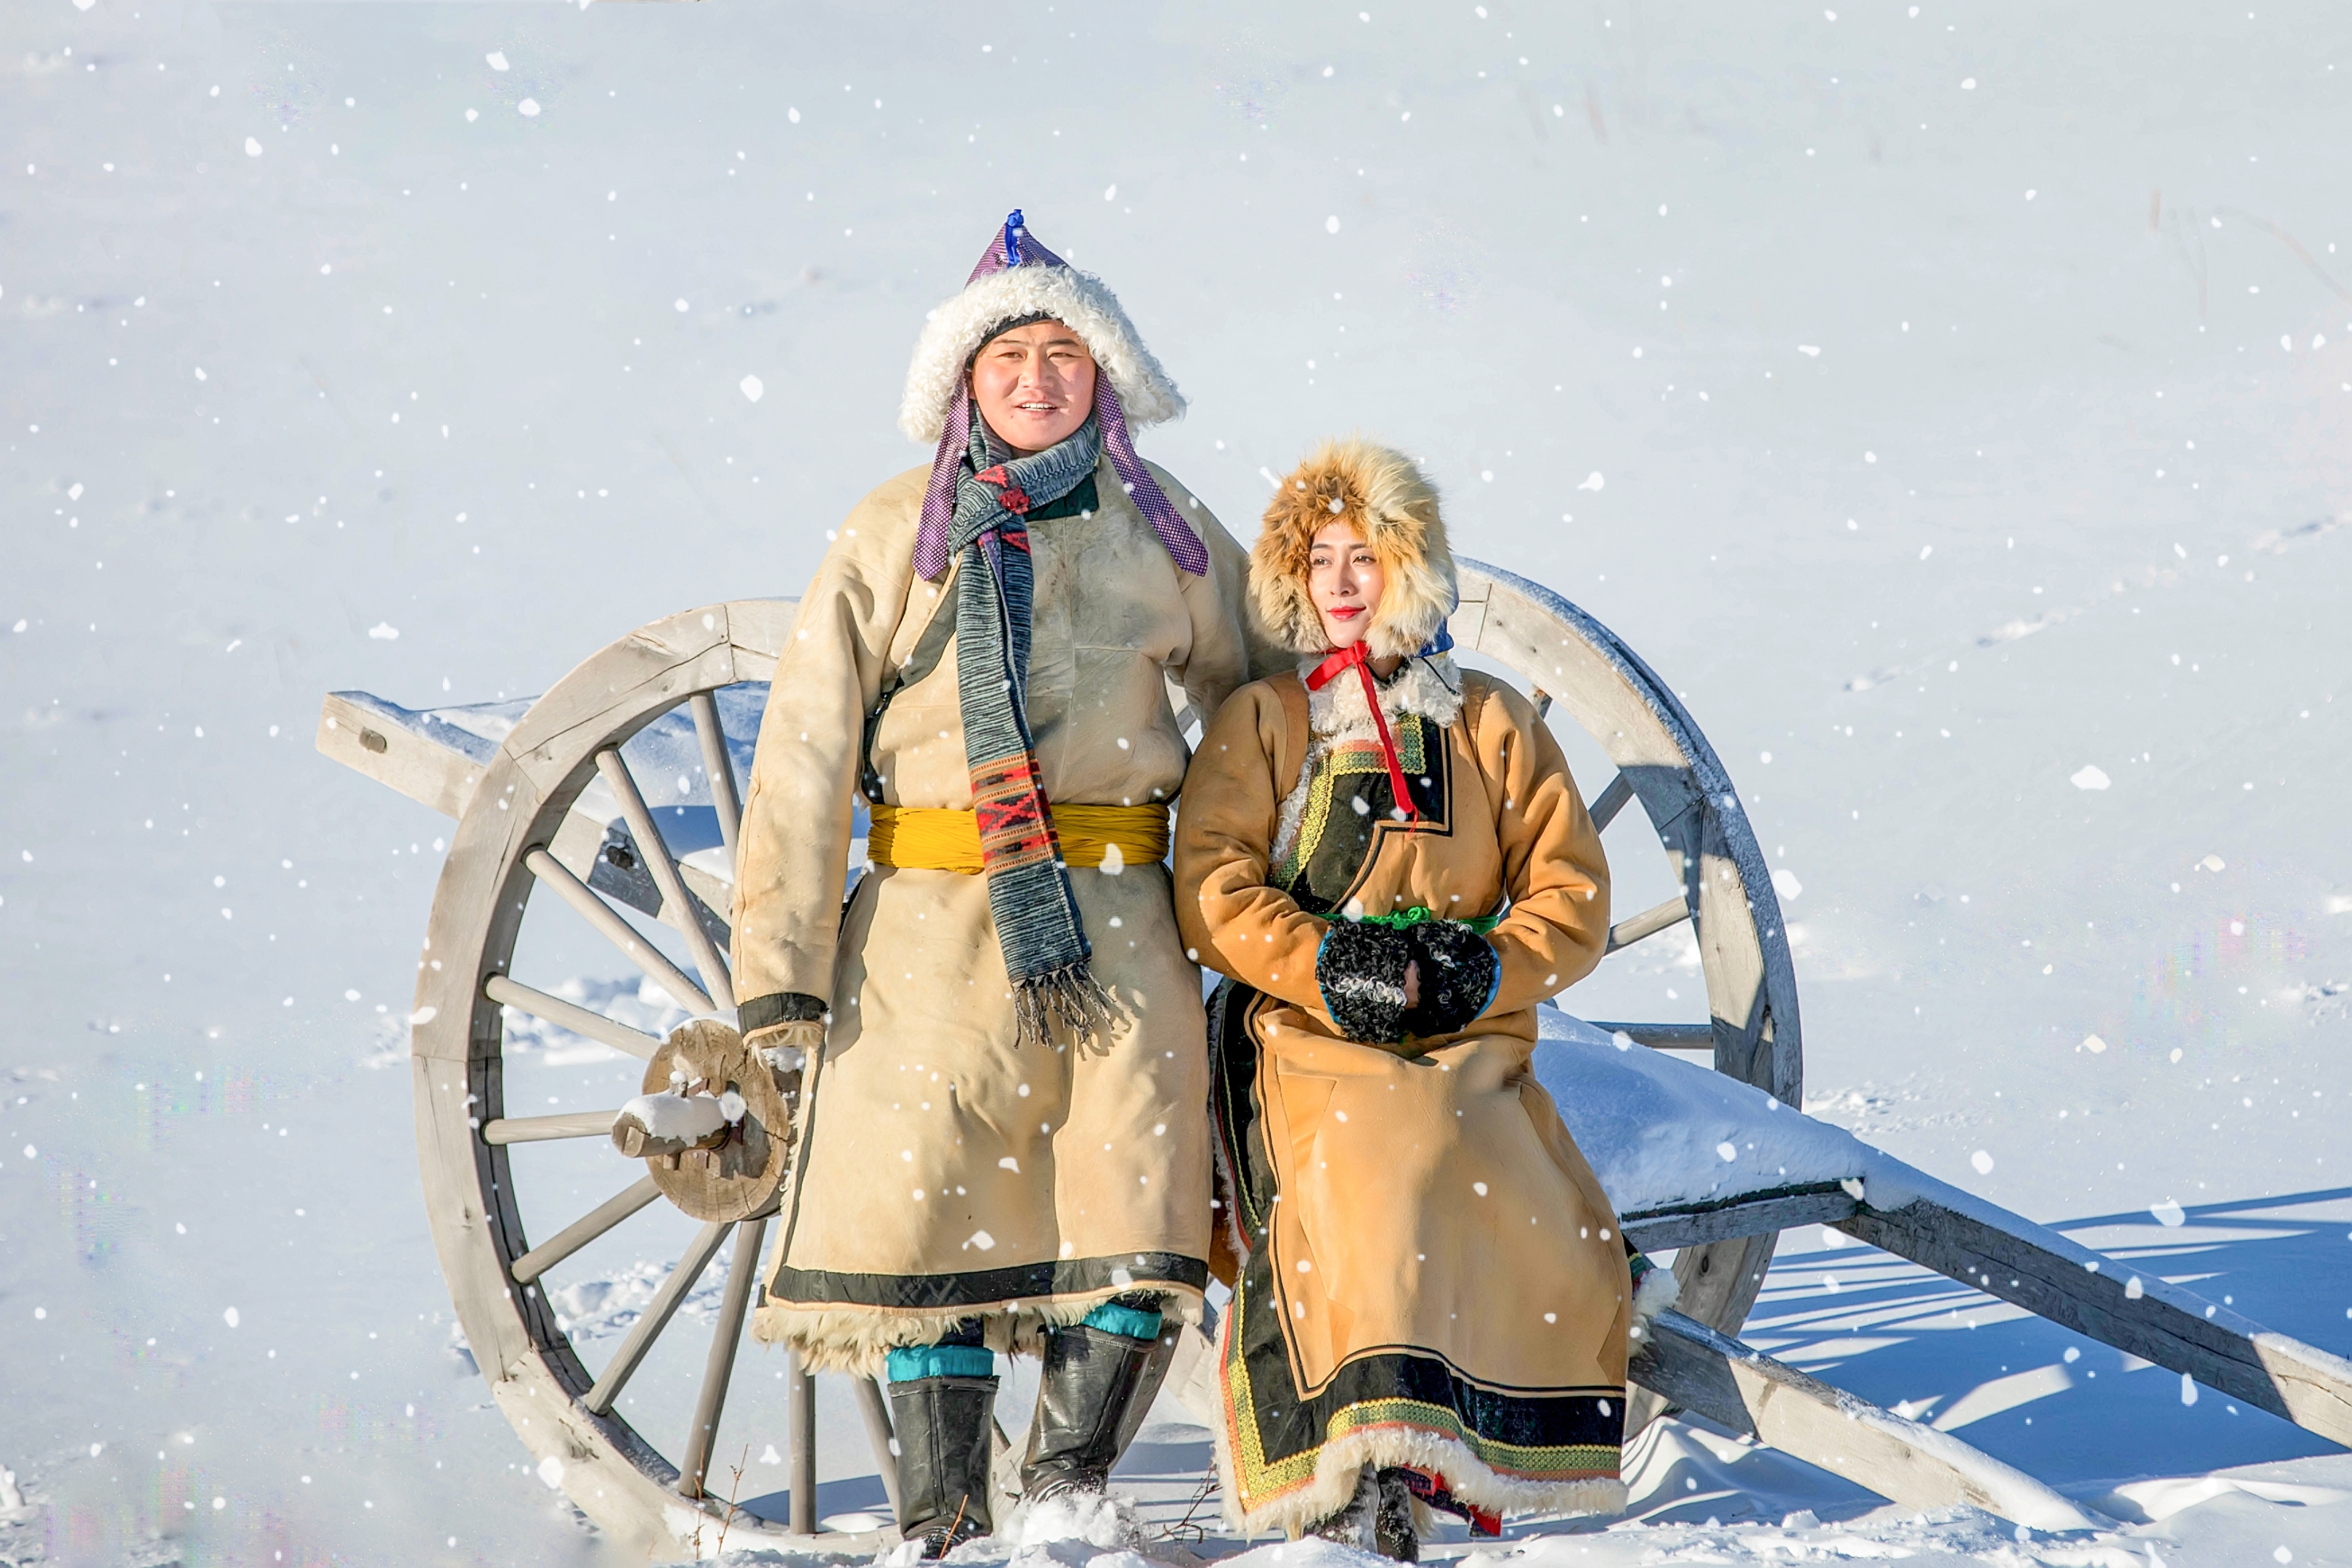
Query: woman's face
x,y
1035,385
1344,580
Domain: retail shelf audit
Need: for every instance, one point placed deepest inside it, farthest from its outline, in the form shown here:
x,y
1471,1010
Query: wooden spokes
x,y
544,1129
584,1229
874,1409
659,1311
718,768
683,911
741,1274
1649,923
663,866
580,1021
649,959
530,813
1612,801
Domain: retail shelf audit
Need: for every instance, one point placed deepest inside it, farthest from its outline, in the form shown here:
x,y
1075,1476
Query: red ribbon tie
x,y
1354,656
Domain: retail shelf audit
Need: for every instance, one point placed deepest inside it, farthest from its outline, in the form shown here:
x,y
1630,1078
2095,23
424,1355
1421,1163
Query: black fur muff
x,y
1457,976
1360,970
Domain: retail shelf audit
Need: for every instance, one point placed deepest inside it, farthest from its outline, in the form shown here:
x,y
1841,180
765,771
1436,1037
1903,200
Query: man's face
x,y
1035,385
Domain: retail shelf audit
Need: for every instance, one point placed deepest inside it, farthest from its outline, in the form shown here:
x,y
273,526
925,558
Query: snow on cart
x,y
616,793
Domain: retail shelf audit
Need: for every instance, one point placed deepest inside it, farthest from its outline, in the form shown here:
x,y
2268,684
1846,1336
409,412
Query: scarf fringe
x,y
1070,996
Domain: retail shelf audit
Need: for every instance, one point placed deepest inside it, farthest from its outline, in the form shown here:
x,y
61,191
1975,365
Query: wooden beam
x,y
1666,1036
1694,1368
2015,1260
2116,1303
1757,1215
367,742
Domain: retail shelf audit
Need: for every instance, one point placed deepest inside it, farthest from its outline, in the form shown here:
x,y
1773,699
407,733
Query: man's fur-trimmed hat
x,y
1018,278
1380,493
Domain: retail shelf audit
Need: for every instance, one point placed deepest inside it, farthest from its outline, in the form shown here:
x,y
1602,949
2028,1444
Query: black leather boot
x,y
943,1428
1395,1532
1093,1395
1355,1525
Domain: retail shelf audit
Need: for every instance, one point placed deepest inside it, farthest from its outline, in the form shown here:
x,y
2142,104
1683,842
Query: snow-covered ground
x,y
1954,402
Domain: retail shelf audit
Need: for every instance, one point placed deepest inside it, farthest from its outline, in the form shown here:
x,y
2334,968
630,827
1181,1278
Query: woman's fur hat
x,y
1383,496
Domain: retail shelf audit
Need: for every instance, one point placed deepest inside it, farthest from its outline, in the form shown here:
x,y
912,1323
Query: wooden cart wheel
x,y
518,831
1662,761
518,835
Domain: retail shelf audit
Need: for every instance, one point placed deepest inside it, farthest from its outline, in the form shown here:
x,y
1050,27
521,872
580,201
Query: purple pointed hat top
x,y
1013,245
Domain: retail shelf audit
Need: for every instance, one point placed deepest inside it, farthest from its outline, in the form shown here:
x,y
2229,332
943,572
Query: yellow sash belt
x,y
932,838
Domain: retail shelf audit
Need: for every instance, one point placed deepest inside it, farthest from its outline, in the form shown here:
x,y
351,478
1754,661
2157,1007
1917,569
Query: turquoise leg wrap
x,y
1114,1317
911,1363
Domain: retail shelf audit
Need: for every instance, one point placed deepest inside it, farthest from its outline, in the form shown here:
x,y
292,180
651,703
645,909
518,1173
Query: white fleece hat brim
x,y
1080,301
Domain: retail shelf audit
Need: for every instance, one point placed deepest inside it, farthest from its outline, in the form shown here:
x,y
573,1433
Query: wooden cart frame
x,y
521,827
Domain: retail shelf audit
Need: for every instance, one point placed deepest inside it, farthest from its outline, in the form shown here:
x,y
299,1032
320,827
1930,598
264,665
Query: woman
x,y
1431,1299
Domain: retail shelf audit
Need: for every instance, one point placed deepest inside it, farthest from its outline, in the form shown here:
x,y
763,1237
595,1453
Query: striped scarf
x,y
1046,956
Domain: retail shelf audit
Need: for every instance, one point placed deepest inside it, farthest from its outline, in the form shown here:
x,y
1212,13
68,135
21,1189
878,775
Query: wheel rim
x,y
500,853
1667,764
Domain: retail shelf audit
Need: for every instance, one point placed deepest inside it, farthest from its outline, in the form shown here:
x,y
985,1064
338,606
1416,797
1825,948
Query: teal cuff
x,y
1135,1323
911,1363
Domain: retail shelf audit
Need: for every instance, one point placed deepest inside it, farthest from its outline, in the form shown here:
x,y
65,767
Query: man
x,y
1002,1140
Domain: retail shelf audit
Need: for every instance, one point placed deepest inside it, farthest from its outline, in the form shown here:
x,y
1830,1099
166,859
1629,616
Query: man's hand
x,y
784,1028
786,1046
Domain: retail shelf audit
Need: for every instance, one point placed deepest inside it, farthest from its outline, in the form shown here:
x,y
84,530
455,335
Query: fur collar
x,y
1336,715
1079,300
1430,687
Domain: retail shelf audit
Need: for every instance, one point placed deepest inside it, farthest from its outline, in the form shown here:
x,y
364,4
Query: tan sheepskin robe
x,y
943,1171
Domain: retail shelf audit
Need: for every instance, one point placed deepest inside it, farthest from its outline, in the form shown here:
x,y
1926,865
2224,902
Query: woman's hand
x,y
1449,979
1363,970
